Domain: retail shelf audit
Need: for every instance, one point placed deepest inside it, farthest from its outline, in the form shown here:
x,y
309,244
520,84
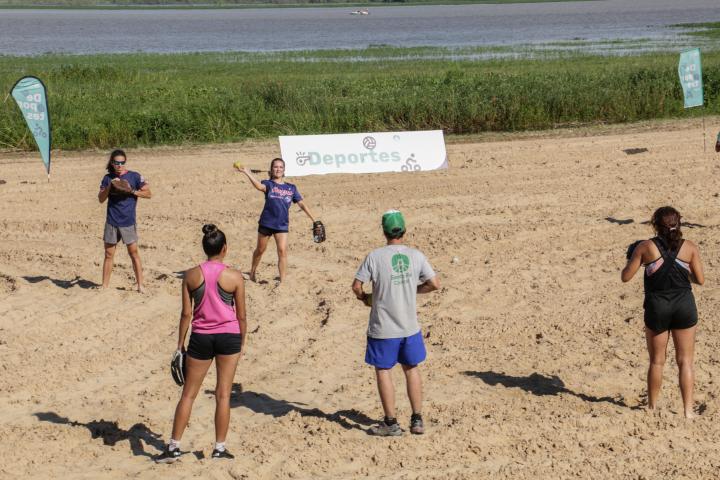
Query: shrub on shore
x,y
141,99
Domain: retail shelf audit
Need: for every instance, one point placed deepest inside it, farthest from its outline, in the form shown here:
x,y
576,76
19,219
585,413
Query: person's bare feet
x,y
252,277
141,289
689,414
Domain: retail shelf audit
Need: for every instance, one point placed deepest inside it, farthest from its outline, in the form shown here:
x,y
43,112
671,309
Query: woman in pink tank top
x,y
213,301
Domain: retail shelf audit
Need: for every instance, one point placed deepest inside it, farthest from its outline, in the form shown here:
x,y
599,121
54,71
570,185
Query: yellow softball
x,y
238,165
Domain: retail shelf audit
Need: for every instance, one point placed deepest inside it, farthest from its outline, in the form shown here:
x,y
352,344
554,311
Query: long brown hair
x,y
666,222
113,156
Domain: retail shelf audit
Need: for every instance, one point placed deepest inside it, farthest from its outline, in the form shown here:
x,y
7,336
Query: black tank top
x,y
227,297
670,276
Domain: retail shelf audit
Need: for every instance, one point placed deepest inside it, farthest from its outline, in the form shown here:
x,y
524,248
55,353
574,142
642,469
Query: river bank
x,y
102,101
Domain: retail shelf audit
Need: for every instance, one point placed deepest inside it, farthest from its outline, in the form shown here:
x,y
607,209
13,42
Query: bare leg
x,y
386,390
657,348
414,387
262,241
281,241
684,341
196,370
226,366
137,266
108,264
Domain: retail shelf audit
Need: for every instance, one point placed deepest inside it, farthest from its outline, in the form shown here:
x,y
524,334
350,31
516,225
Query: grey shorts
x,y
114,234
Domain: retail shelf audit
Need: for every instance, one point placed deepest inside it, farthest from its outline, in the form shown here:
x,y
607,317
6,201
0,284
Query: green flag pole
x,y
703,118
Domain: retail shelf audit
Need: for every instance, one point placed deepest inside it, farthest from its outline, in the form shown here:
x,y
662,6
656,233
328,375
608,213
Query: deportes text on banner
x,y
31,97
690,71
363,152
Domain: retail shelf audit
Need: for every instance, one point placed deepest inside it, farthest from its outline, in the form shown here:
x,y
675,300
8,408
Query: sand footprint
x,y
8,284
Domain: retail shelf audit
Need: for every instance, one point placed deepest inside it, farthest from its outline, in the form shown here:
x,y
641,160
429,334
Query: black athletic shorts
x,y
269,232
670,310
206,346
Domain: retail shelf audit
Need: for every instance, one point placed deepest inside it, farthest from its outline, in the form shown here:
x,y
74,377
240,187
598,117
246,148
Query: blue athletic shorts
x,y
386,352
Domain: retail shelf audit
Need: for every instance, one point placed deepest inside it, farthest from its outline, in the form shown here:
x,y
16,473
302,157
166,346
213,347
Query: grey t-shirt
x,y
396,271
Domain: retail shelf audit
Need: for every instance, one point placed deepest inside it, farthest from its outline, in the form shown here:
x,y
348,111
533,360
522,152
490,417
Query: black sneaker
x,y
168,456
224,454
382,429
416,424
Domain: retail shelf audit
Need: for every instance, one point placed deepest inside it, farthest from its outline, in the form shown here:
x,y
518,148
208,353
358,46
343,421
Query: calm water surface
x,y
31,32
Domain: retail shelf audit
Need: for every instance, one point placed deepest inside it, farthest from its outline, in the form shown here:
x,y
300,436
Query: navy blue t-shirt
x,y
121,206
278,197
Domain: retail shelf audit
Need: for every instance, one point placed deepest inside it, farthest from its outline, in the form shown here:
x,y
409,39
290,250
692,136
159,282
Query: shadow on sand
x,y
628,221
265,404
77,281
111,433
539,385
619,221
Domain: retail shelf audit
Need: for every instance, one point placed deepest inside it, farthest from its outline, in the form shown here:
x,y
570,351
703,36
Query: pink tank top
x,y
212,315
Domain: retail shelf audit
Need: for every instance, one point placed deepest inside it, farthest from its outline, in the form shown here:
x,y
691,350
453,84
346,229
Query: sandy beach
x,y
536,353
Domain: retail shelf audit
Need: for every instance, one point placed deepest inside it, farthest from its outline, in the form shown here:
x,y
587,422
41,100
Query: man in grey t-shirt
x,y
398,273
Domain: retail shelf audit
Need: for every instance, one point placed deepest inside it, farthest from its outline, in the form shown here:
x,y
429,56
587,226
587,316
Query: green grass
x,y
708,29
160,4
110,101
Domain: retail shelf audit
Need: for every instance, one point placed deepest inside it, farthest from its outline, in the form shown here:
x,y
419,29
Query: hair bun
x,y
209,228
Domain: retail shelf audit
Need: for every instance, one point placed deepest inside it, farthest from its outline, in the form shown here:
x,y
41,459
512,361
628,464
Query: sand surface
x,y
536,354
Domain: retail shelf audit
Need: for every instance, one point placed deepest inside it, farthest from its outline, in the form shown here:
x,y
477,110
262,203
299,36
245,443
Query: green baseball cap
x,y
393,222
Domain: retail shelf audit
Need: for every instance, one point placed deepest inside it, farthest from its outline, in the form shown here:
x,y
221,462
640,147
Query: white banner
x,y
363,153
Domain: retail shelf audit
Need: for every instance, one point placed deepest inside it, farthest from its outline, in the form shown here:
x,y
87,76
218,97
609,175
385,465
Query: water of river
x,y
31,32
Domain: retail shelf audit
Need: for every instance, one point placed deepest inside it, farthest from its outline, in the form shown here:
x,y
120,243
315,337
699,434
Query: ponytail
x,y
667,225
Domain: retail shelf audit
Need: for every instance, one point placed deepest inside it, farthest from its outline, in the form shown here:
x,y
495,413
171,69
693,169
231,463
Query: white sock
x,y
173,445
220,446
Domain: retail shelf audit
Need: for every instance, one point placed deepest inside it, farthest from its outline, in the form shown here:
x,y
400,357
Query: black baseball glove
x,y
318,231
177,367
631,248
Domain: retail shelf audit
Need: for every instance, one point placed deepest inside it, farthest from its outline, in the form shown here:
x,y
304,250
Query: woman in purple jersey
x,y
121,188
275,217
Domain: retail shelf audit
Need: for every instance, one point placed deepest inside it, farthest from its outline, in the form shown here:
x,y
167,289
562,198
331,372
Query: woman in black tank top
x,y
671,265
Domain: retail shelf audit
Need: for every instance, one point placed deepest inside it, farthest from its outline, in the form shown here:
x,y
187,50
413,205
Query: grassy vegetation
x,y
141,99
709,29
195,4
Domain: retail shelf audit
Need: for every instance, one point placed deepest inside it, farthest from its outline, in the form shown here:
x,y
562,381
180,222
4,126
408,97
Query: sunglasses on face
x,y
117,164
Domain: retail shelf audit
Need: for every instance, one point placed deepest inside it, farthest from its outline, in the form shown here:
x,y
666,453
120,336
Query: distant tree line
x,y
217,3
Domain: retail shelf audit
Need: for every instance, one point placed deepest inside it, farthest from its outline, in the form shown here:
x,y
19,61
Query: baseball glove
x,y
368,299
177,368
318,231
631,248
121,187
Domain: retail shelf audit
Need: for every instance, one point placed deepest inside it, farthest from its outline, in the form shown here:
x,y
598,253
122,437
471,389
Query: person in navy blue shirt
x,y
275,217
121,223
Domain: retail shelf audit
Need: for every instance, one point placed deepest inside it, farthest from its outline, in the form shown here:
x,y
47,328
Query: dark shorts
x,y
672,310
269,232
206,346
386,352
